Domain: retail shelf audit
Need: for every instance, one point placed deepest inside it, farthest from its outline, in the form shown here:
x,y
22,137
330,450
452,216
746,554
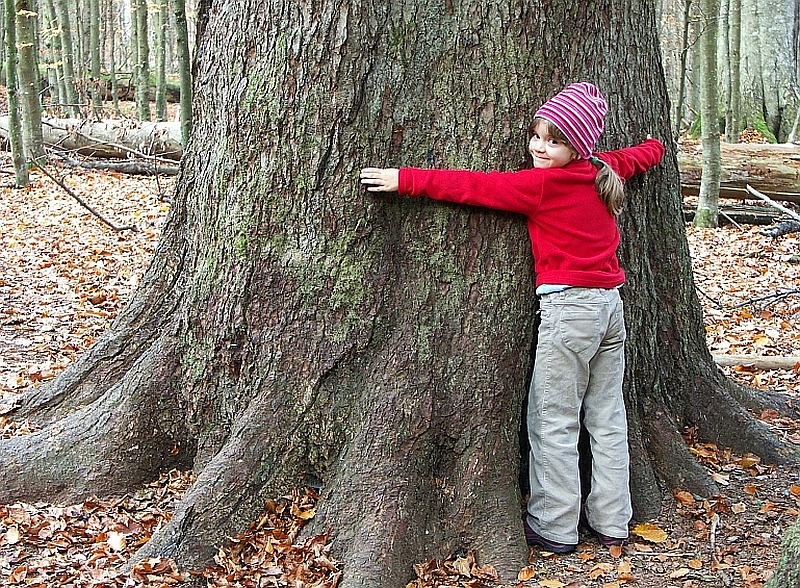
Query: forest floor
x,y
64,276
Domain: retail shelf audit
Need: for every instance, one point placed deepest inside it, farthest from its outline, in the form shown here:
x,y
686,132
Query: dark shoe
x,y
533,538
605,540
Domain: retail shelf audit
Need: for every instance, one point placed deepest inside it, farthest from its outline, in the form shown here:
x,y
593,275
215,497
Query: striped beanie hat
x,y
578,111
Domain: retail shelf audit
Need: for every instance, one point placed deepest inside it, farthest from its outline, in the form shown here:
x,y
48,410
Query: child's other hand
x,y
380,179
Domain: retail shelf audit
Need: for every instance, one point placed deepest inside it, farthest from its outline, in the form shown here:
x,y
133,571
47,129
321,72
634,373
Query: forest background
x,y
108,54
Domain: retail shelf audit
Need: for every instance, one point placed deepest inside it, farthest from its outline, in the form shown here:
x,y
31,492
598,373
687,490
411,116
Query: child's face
x,y
547,151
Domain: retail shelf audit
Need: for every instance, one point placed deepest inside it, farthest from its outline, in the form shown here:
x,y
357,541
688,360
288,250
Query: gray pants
x,y
580,363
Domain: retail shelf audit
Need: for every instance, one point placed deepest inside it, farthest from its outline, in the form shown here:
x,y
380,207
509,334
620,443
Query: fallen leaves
x,y
460,571
268,553
65,274
43,545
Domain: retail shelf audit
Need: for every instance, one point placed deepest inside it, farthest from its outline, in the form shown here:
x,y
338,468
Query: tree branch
x,y
84,203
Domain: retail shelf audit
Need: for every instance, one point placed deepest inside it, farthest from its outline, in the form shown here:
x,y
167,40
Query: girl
x,y
570,199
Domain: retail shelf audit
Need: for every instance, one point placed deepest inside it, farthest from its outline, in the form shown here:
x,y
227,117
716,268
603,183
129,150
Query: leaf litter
x,y
64,276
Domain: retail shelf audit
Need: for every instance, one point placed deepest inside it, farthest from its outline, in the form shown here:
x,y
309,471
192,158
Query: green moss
x,y
760,125
788,573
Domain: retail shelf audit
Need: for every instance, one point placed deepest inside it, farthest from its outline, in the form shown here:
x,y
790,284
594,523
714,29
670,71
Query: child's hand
x,y
380,179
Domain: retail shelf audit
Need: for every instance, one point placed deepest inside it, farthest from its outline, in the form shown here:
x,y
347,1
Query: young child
x,y
570,199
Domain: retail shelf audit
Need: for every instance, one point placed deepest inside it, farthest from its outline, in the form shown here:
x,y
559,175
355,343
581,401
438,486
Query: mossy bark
x,y
788,573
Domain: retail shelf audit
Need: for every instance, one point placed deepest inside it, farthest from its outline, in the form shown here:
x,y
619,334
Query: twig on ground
x,y
771,298
713,535
84,203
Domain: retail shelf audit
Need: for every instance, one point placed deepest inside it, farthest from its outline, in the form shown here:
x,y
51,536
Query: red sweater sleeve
x,y
634,160
510,191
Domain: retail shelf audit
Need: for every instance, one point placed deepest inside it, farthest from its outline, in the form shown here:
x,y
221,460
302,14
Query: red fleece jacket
x,y
573,236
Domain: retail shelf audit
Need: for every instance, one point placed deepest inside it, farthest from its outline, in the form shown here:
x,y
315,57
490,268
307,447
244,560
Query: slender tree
x,y
96,85
733,88
707,214
161,59
112,60
21,178
28,71
55,68
184,70
293,329
769,66
142,58
68,57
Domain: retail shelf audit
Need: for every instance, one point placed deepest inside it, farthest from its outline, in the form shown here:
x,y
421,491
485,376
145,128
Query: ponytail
x,y
609,186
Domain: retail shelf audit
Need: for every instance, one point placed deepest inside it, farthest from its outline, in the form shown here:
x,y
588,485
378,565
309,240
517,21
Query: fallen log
x,y
128,166
774,168
110,138
764,362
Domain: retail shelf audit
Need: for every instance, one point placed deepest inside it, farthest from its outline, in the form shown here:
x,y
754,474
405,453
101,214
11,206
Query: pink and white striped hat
x,y
578,111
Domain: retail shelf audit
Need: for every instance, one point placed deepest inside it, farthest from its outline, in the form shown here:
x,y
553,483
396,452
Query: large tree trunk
x,y
293,329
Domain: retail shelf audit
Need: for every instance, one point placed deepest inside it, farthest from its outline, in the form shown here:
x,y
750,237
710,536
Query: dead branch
x,y
84,203
764,362
768,298
772,203
143,168
781,228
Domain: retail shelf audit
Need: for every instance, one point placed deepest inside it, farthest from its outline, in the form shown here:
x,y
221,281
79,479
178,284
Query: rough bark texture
x,y
294,329
788,573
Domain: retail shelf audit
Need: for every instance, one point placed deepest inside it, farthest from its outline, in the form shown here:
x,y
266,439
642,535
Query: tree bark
x,y
21,178
294,329
72,103
29,82
185,71
788,573
707,214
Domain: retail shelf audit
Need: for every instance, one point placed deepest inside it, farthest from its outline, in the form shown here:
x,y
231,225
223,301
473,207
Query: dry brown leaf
x,y
685,498
679,573
526,573
551,584
625,572
600,569
650,532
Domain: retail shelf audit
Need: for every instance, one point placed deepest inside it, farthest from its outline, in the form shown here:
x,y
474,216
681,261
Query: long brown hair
x,y
608,184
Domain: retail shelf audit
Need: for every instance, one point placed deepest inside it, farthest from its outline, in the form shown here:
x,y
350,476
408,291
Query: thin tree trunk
x,y
59,97
29,82
68,57
15,126
96,88
707,214
732,115
112,61
161,60
682,73
185,70
142,58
